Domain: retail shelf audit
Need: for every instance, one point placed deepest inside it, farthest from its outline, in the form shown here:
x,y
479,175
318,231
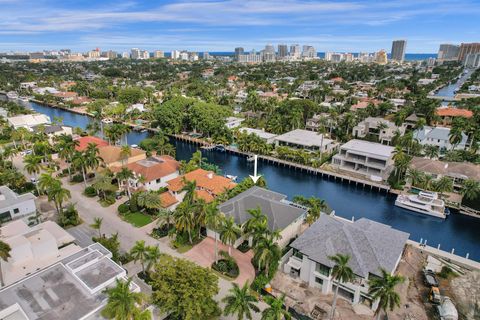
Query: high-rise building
x,y
135,53
251,57
282,50
158,54
472,60
309,52
238,51
206,56
448,52
398,50
381,57
175,55
270,49
111,54
466,49
295,51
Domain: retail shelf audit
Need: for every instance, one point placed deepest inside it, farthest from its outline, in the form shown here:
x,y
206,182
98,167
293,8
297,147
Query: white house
x,y
439,137
372,246
28,121
370,159
140,107
262,134
383,129
282,215
233,122
307,140
14,206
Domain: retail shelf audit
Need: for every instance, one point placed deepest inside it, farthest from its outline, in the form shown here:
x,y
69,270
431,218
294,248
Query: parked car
x,y
434,295
430,279
446,310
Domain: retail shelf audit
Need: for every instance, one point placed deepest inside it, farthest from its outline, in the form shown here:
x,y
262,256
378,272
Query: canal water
x,y
458,231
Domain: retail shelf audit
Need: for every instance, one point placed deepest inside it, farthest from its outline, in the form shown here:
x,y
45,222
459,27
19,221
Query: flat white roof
x,y
262,134
29,120
304,138
368,147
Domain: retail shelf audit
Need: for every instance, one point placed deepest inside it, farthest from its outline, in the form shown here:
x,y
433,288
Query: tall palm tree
x,y
416,176
45,182
149,200
255,222
213,221
97,225
190,187
59,195
241,302
185,219
229,233
431,151
444,184
125,153
383,289
33,165
470,189
4,255
276,309
66,149
455,137
125,175
152,256
341,272
267,251
139,253
123,303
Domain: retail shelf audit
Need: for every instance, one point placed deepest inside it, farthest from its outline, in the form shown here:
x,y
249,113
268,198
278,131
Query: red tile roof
x,y
84,141
153,168
454,112
167,199
206,180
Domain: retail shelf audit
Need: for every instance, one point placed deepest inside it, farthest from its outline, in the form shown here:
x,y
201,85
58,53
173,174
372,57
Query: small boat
x,y
233,178
425,202
251,159
144,130
12,95
220,147
107,120
207,147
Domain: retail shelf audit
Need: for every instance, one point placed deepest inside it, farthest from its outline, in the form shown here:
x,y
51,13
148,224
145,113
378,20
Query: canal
x,y
458,231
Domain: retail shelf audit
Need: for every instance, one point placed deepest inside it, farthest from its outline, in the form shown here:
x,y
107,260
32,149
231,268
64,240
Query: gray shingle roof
x,y
279,213
370,245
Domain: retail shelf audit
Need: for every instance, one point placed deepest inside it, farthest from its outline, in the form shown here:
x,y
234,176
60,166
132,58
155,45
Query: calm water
x,y
449,91
458,231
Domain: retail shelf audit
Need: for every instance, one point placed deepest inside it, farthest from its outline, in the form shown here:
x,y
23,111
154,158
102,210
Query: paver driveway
x,y
204,254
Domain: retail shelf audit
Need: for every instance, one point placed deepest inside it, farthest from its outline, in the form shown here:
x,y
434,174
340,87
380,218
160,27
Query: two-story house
x,y
371,246
14,206
439,137
380,128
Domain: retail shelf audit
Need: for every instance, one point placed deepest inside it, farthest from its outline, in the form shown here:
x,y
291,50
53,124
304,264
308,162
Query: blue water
x,y
458,231
449,90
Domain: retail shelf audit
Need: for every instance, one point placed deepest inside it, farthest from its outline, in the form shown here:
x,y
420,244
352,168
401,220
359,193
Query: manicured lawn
x,y
137,219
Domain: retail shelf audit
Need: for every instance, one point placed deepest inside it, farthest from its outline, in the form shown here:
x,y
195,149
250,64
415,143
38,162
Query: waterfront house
x,y
307,140
262,134
319,121
14,206
282,215
457,171
28,121
439,137
371,246
370,159
49,277
155,172
83,142
53,130
447,115
209,184
383,130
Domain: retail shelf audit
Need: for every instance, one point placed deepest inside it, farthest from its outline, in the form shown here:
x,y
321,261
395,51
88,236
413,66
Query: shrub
x,y
90,192
259,283
226,267
446,272
244,247
123,209
77,178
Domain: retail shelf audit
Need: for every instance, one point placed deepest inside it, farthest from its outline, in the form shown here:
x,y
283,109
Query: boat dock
x,y
296,166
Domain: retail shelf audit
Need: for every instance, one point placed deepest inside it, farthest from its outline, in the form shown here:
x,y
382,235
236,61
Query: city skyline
x,y
341,26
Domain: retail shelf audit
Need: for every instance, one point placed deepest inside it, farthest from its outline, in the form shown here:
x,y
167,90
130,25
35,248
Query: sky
x,y
222,25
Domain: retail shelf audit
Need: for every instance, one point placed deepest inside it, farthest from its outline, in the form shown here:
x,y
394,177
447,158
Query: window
x,y
297,254
322,269
318,280
16,210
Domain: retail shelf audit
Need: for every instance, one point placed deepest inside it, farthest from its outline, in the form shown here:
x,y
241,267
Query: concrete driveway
x,y
204,255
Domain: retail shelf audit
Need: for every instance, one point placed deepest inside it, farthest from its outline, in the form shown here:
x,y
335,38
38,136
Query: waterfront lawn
x,y
137,219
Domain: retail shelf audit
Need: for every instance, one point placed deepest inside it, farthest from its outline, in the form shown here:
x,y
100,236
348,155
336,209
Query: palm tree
x,y
149,200
125,153
455,137
152,256
256,221
276,309
139,253
4,255
240,302
185,219
431,151
383,289
97,225
416,176
45,182
229,233
66,149
123,303
267,251
33,165
470,189
190,187
213,221
58,194
125,175
444,184
341,272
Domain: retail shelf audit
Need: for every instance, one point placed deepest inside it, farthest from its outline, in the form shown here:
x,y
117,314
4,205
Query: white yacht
x,y
425,202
